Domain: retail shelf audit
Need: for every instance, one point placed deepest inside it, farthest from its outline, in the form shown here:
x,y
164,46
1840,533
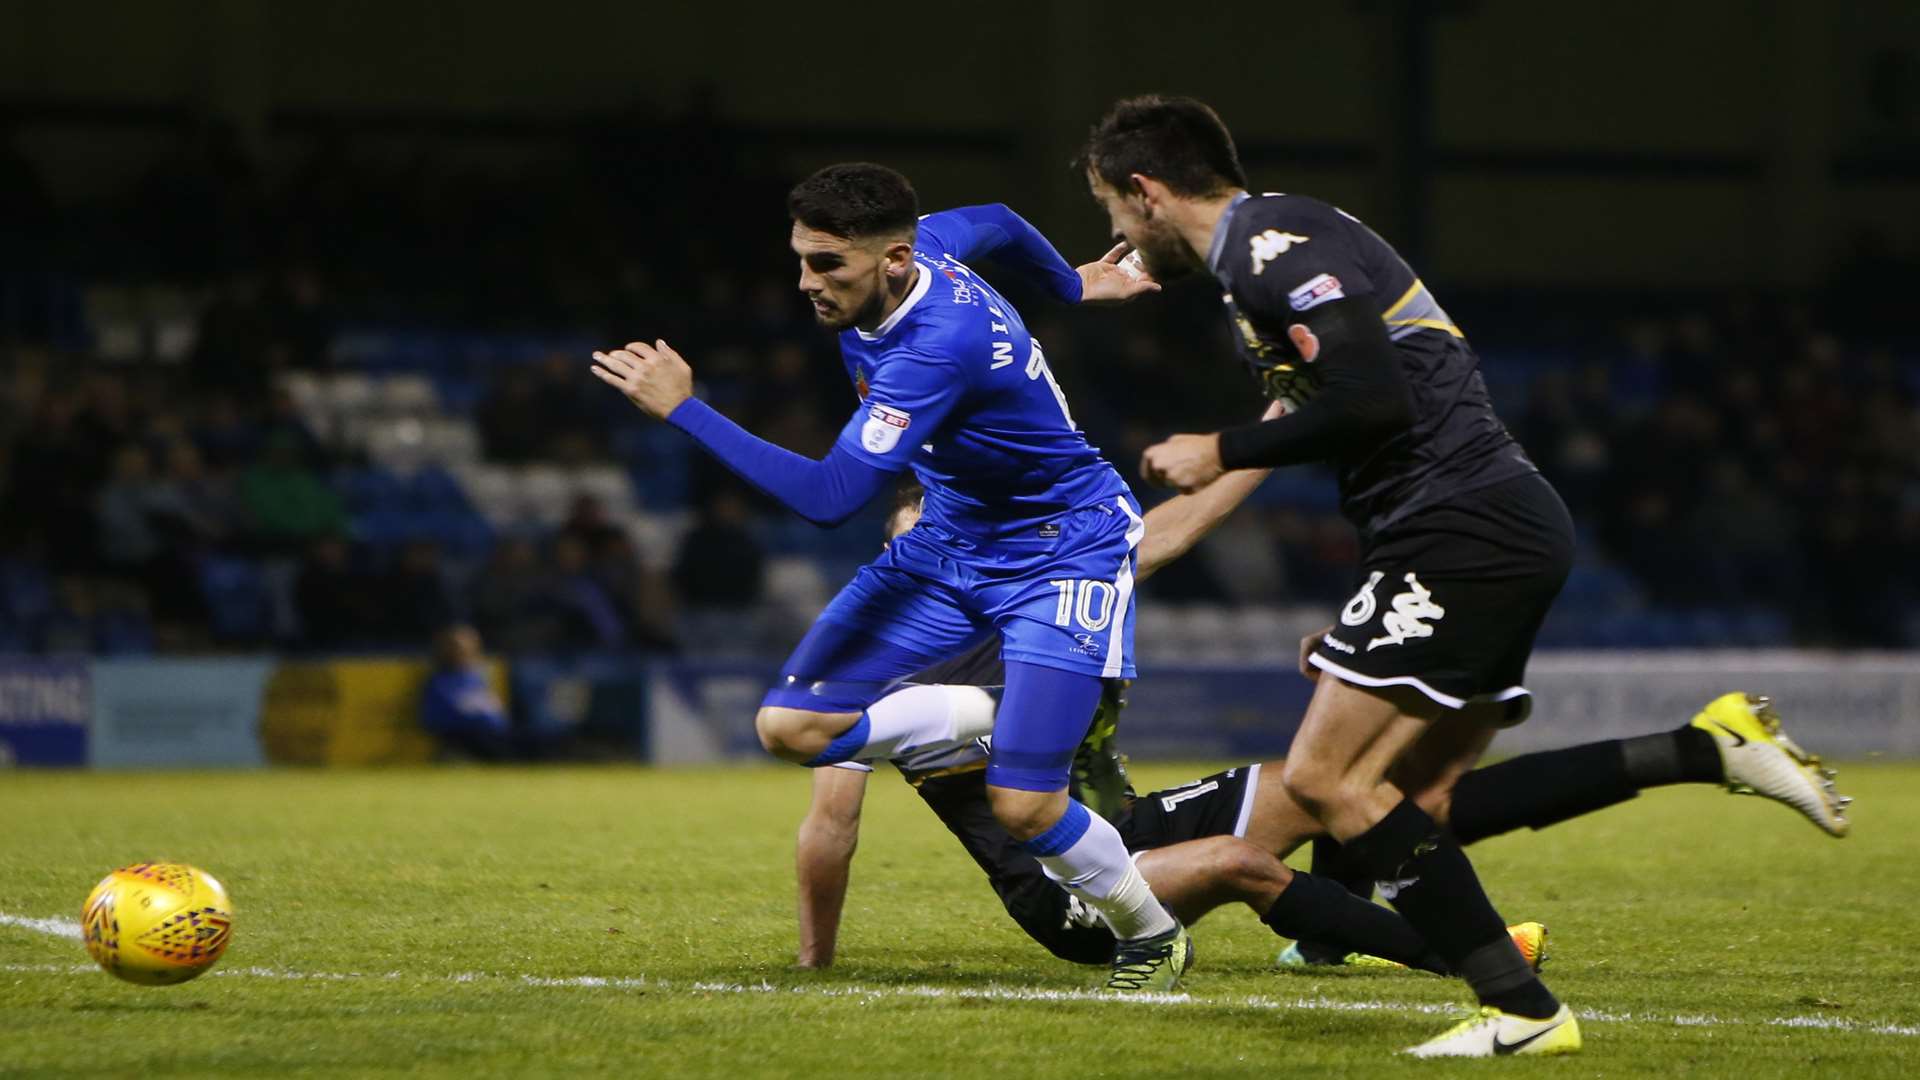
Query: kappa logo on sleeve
x,y
1270,245
883,428
1315,291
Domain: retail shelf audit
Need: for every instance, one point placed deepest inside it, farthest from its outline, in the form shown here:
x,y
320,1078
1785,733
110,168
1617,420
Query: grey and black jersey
x,y
1281,257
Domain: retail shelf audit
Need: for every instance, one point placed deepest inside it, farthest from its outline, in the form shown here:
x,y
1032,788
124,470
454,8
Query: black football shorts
x,y
1451,598
1217,805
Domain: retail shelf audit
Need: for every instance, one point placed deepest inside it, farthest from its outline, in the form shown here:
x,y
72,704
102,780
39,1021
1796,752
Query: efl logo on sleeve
x,y
1315,291
883,428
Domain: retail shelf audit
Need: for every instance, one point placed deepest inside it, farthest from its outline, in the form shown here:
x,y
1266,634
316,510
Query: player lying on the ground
x,y
1029,533
1221,839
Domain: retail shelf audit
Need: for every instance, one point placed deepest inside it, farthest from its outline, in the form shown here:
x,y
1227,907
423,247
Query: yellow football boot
x,y
1760,760
1152,965
1531,939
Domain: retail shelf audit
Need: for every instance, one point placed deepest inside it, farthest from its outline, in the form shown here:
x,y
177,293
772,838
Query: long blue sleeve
x,y
996,232
825,492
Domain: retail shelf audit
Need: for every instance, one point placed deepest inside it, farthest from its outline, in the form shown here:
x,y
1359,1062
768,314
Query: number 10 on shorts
x,y
1089,603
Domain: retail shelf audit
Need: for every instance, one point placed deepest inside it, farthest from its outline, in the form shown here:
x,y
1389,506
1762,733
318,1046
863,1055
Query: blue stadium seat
x,y
26,592
238,597
435,489
122,633
369,489
459,394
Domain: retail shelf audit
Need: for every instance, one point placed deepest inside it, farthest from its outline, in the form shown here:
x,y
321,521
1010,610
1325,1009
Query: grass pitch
x,y
640,922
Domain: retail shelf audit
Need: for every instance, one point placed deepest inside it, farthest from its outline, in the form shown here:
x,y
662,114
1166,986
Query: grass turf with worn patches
x,y
1687,918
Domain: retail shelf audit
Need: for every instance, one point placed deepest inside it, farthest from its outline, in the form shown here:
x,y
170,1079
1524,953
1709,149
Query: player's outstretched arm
x,y
994,231
1175,526
660,383
823,859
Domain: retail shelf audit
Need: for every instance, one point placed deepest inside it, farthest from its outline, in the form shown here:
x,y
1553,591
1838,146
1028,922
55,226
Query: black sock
x,y
1686,756
1422,870
1323,910
1538,790
1330,861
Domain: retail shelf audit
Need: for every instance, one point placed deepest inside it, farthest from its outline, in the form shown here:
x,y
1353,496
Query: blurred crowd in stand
x,y
166,488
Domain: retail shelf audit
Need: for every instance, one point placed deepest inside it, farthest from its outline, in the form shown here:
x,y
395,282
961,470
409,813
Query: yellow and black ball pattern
x,y
156,923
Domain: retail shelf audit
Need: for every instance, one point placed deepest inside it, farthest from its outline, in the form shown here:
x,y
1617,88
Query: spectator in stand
x,y
126,537
289,505
509,599
589,617
512,431
416,600
226,436
720,564
339,608
459,706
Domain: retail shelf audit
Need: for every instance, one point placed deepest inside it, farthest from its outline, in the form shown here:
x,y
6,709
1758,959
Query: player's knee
x,y
1026,814
790,734
1437,802
1317,787
1247,869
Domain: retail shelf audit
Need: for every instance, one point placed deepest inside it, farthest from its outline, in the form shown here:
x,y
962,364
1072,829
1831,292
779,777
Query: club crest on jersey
x,y
860,385
1315,291
883,429
1270,245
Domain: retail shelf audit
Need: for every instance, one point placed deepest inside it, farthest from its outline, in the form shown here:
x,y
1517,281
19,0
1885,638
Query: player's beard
x,y
1164,252
844,318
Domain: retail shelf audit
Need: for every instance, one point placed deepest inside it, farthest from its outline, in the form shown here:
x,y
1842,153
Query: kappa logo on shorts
x,y
1409,608
1360,609
883,428
1087,645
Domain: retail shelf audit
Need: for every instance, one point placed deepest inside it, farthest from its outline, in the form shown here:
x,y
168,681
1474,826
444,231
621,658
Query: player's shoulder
x,y
957,313
1266,227
1277,209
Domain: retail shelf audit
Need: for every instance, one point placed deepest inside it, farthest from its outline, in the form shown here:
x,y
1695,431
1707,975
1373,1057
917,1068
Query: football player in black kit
x,y
1221,839
1463,544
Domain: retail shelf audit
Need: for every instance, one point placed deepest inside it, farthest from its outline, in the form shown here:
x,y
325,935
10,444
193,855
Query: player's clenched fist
x,y
1183,462
653,377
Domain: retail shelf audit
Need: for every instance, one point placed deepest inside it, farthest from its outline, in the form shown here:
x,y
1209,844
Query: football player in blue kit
x,y
1026,533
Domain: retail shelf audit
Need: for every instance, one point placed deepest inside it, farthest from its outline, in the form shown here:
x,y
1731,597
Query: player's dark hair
x,y
908,493
906,496
855,200
1178,141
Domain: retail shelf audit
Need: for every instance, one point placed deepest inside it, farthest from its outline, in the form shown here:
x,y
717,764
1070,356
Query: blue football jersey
x,y
952,385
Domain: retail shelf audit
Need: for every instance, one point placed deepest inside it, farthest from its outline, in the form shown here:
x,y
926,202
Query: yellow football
x,y
157,924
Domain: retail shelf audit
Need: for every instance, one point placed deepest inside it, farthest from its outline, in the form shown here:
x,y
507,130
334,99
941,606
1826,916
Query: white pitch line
x,y
56,927
62,928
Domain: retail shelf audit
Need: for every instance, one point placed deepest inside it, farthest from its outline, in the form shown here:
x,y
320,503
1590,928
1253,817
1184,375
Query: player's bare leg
x,y
1198,876
1350,743
1278,823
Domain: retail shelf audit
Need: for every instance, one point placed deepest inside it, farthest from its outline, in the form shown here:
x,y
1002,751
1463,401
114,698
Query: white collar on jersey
x,y
913,297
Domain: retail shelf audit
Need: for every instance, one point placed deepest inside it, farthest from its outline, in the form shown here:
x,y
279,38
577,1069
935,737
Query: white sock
x,y
917,718
1097,869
